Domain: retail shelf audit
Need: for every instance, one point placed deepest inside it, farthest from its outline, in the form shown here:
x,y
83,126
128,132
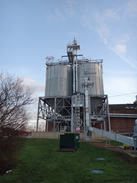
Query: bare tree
x,y
15,97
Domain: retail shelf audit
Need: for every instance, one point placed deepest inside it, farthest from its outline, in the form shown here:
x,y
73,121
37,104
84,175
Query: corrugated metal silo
x,y
58,81
93,71
58,85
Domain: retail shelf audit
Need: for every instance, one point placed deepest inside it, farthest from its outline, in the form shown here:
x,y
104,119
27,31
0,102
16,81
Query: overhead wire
x,y
123,94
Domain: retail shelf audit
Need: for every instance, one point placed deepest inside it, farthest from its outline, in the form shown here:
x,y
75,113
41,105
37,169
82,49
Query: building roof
x,y
123,106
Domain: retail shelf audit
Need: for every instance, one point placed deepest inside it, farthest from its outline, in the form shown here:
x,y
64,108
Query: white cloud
x,y
29,81
103,32
101,26
125,38
39,90
122,40
131,8
91,16
129,61
99,22
121,48
38,87
133,61
106,15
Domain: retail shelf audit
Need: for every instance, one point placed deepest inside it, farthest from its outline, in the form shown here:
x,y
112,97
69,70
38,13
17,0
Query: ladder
x,y
77,114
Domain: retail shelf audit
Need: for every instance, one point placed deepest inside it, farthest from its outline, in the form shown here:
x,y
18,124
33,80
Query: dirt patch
x,y
119,151
111,147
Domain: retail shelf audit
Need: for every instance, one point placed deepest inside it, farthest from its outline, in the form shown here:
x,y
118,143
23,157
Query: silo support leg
x,y
72,119
38,115
54,114
47,126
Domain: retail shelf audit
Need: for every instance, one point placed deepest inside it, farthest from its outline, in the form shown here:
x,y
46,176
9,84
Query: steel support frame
x,y
52,113
41,114
104,110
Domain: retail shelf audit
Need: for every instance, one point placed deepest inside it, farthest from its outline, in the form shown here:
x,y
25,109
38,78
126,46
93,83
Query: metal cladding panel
x,y
58,81
93,71
94,102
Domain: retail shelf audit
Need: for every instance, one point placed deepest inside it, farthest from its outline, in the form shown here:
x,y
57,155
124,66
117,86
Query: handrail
x,y
114,136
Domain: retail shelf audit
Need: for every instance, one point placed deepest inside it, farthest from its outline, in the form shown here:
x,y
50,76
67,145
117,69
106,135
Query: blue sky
x,y
30,30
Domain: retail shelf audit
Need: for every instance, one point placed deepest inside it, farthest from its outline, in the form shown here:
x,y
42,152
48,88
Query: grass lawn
x,y
40,162
113,142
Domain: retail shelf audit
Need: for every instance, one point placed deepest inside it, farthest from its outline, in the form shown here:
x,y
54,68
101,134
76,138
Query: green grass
x,y
112,142
40,162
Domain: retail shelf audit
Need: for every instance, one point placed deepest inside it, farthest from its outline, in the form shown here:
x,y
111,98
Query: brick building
x,y
122,118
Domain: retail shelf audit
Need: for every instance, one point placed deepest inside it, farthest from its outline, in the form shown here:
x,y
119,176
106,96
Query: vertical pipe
x,y
76,77
104,125
89,103
72,130
47,126
54,114
108,115
38,116
73,77
135,138
76,74
109,141
84,125
105,130
87,107
95,79
99,78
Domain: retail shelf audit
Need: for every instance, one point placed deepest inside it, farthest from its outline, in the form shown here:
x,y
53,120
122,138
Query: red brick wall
x,y
50,126
122,125
129,111
119,125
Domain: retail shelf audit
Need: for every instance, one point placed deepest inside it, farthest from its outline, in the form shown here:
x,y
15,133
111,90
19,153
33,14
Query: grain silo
x,y
58,81
74,95
93,71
